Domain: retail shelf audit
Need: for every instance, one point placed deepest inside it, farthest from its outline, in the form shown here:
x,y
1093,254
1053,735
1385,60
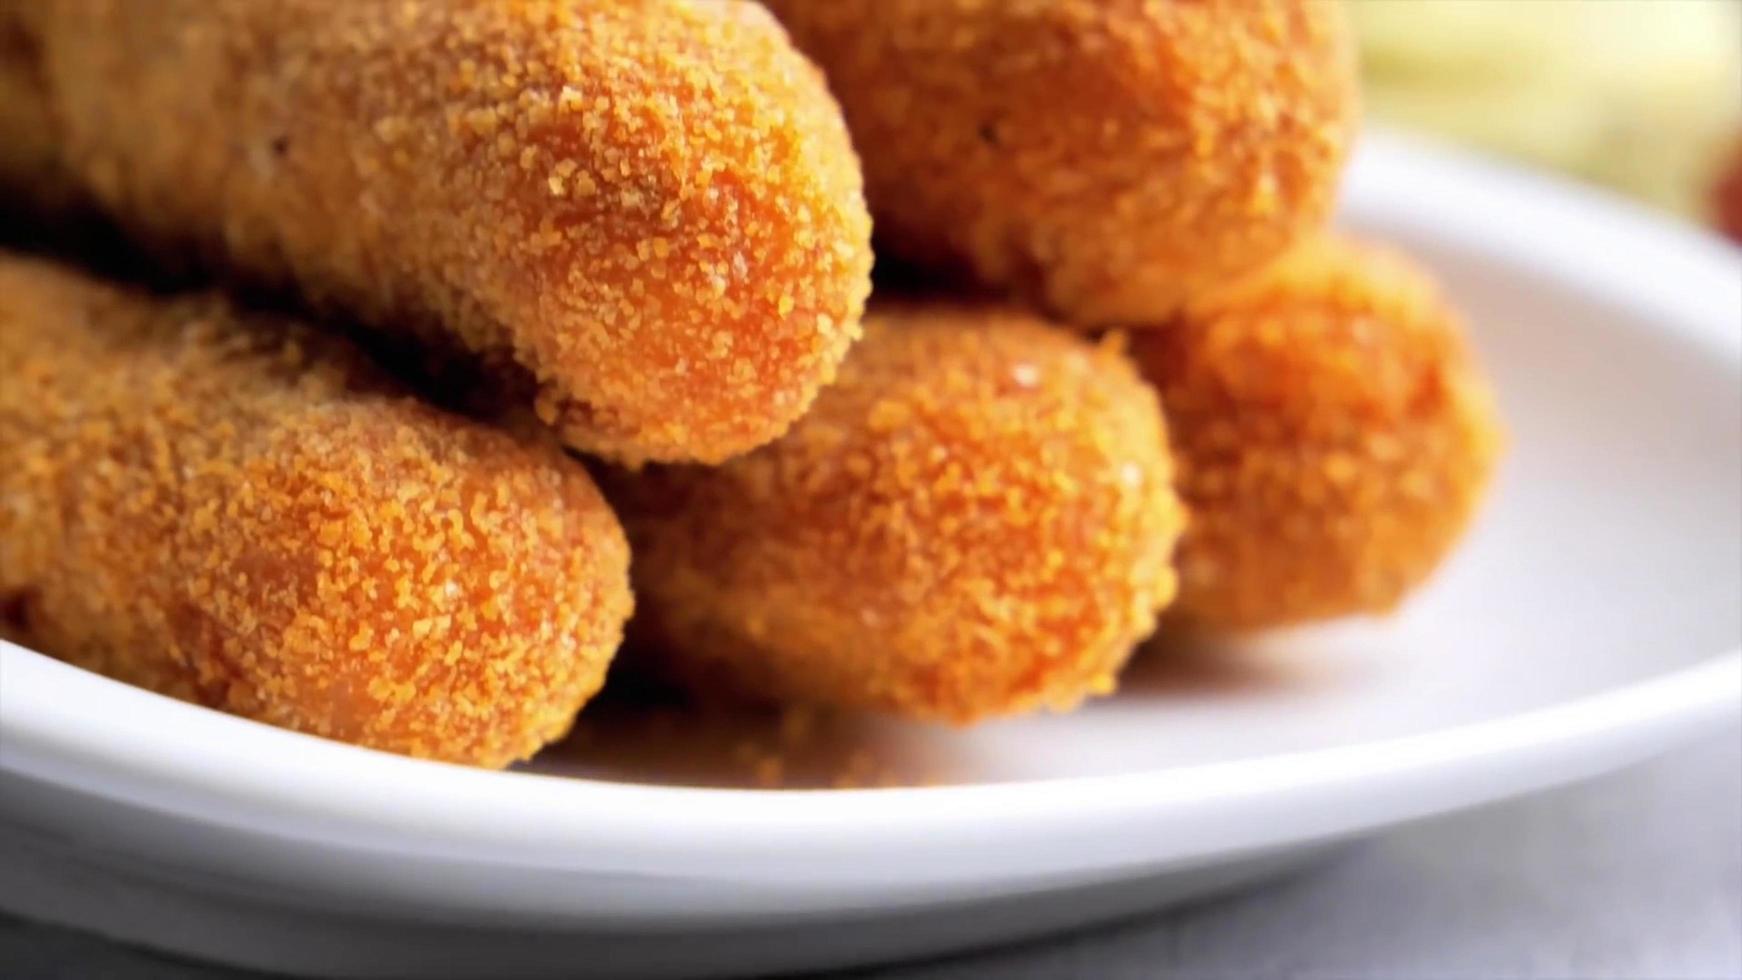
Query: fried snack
x,y
1332,432
1104,158
237,511
648,211
976,519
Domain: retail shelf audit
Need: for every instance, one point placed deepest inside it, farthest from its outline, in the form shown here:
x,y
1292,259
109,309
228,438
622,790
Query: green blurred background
x,y
1642,96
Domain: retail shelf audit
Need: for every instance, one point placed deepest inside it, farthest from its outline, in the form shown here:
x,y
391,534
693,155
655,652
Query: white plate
x,y
1592,619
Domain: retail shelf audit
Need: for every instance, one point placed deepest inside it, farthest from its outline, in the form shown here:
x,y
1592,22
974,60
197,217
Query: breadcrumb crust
x,y
1103,158
237,511
1333,435
976,519
651,206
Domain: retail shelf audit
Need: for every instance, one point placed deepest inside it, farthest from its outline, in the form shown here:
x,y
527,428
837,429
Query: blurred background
x,y
1641,96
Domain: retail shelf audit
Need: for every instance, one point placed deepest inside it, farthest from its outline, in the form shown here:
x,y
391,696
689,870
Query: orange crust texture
x,y
1102,158
237,511
977,519
650,209
1333,433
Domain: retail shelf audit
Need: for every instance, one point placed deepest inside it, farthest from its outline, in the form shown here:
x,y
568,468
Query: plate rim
x,y
459,812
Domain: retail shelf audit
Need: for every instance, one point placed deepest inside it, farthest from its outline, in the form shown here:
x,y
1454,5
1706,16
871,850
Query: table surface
x,y
1637,876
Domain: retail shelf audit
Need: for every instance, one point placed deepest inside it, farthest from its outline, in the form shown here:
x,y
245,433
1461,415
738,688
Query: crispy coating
x,y
1105,158
648,208
236,511
1333,436
976,519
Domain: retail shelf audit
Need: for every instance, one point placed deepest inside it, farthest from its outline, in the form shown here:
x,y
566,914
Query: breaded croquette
x,y
1105,158
1333,436
649,209
237,511
976,519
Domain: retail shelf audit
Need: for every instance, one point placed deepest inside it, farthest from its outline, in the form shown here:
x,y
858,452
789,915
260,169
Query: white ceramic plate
x,y
1593,618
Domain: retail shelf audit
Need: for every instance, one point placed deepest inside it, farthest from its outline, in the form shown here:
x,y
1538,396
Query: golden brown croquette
x,y
976,519
237,511
650,207
1333,436
1106,158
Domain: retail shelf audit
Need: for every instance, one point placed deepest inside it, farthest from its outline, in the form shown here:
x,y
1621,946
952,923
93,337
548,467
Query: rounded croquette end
x,y
240,512
977,519
648,215
1104,159
1333,434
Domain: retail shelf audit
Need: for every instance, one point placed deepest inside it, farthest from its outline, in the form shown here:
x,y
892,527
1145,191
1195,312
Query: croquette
x,y
646,212
238,511
1333,436
977,519
1103,158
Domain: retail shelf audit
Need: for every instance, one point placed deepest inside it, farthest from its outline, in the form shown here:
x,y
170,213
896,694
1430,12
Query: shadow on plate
x,y
1191,666
639,732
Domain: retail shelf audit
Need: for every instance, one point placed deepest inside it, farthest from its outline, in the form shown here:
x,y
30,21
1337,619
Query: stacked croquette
x,y
239,511
1145,385
1332,431
644,215
977,518
648,208
1166,169
1102,158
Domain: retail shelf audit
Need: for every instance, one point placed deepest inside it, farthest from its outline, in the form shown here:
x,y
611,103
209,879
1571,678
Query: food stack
x,y
537,310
